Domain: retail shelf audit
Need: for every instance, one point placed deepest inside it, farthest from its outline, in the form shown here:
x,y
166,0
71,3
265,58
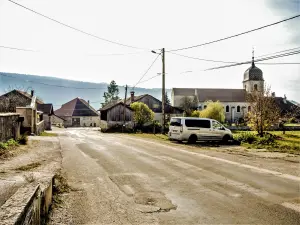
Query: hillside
x,y
56,91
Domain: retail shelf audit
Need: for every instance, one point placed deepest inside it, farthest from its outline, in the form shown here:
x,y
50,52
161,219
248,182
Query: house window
x,y
205,107
227,108
238,109
249,108
255,87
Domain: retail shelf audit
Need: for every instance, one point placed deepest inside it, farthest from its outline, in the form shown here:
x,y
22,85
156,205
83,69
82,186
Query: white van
x,y
194,129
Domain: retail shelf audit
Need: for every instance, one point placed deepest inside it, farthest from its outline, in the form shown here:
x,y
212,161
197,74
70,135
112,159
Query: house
x,y
113,113
48,112
78,113
56,120
10,100
233,100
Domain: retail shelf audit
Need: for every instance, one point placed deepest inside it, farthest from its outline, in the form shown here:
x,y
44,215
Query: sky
x,y
170,24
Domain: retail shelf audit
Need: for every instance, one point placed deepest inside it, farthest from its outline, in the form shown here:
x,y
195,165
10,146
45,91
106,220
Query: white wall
x,y
88,120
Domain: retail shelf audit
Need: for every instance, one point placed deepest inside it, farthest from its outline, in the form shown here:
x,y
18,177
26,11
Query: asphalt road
x,y
119,179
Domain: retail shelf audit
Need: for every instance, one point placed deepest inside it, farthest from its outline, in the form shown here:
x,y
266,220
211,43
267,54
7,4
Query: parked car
x,y
193,129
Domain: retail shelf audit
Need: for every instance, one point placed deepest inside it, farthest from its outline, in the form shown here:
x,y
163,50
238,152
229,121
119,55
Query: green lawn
x,y
288,142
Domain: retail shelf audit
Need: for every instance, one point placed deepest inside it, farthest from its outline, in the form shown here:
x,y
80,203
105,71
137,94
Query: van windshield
x,y
175,122
197,123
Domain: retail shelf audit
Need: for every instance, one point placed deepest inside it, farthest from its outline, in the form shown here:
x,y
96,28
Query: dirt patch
x,y
29,166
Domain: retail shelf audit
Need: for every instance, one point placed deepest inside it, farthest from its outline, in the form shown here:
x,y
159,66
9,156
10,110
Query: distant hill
x,y
56,91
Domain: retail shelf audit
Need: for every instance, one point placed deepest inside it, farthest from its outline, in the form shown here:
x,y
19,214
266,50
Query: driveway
x,y
120,179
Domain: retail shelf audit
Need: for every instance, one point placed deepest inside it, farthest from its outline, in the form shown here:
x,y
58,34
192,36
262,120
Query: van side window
x,y
175,122
216,125
197,123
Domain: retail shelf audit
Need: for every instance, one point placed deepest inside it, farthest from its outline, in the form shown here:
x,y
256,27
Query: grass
x,y
46,134
292,124
288,142
29,166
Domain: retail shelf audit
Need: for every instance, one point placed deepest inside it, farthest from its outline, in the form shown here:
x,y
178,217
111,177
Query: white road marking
x,y
85,155
293,206
257,169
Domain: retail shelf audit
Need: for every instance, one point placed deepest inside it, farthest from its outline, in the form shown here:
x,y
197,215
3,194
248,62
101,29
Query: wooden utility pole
x,y
124,108
163,89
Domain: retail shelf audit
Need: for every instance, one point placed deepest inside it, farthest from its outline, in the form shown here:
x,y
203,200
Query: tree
x,y
195,113
142,113
167,100
289,115
188,104
264,111
213,110
111,94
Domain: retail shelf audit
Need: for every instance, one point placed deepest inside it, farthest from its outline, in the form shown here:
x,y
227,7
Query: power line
x,y
19,49
257,60
54,85
139,81
280,51
110,54
73,28
236,35
150,78
220,61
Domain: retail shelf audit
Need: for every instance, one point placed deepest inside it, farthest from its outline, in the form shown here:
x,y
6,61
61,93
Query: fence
x,y
9,126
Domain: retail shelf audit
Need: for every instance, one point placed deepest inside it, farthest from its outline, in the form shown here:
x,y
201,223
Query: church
x,y
233,100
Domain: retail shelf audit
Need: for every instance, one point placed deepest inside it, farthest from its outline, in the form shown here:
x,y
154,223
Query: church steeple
x,y
253,65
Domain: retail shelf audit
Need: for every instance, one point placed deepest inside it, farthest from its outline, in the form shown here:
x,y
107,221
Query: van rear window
x,y
175,122
197,123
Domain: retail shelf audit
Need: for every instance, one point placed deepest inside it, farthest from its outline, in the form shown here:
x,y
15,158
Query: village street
x,y
121,179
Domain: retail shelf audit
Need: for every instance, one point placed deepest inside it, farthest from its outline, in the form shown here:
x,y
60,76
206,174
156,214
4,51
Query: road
x,y
120,179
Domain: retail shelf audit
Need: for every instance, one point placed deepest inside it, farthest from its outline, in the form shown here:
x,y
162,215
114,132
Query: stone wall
x,y
9,126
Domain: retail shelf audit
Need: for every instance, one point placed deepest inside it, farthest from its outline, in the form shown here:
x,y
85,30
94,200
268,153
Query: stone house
x,y
78,113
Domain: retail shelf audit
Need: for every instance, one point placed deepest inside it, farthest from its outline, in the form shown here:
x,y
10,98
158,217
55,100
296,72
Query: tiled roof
x,y
214,94
286,106
76,107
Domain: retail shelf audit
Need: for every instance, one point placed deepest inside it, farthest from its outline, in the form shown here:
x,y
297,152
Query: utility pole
x,y
124,109
163,89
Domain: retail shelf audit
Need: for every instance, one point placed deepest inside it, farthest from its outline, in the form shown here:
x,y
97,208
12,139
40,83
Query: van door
x,y
217,130
199,127
175,128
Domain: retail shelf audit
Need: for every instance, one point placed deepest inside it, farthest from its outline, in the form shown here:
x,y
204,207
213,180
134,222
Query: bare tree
x,y
264,111
188,104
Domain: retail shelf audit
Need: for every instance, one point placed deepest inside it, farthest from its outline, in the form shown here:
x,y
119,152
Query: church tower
x,y
253,78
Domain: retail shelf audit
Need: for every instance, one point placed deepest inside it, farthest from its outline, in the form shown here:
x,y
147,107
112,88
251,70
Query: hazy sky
x,y
154,24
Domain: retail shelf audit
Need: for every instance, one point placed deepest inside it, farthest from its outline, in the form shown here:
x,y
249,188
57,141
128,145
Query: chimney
x,y
273,94
132,96
89,102
32,93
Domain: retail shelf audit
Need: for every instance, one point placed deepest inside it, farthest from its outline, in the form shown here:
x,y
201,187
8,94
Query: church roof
x,y
214,94
253,73
76,107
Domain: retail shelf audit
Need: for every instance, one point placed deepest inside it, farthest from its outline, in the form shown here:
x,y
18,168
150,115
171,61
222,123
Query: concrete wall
x,y
9,126
27,113
40,127
47,121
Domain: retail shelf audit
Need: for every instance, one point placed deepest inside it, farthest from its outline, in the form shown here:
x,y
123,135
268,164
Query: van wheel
x,y
192,139
225,139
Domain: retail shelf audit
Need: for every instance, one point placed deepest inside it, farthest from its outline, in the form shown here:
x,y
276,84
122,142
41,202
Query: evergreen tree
x,y
111,94
167,100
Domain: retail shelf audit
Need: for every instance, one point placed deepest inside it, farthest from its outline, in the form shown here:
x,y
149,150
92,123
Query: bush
x,y
12,143
267,139
246,137
3,146
23,140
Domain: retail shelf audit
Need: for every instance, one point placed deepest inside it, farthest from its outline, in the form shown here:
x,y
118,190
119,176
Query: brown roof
x,y
76,107
214,94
